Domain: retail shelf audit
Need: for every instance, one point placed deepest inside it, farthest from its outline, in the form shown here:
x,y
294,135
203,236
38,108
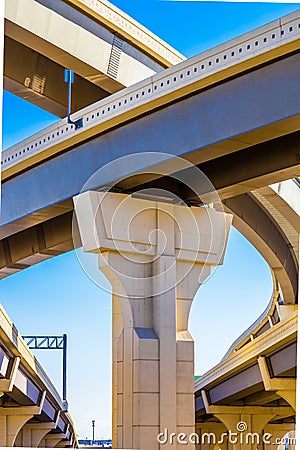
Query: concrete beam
x,y
282,201
36,244
284,411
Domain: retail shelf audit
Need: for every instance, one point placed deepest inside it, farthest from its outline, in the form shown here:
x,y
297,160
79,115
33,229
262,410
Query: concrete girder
x,y
23,382
285,212
56,237
282,202
14,263
129,29
197,141
36,244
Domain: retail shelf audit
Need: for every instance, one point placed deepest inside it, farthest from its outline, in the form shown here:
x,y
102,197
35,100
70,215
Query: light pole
x,y
93,429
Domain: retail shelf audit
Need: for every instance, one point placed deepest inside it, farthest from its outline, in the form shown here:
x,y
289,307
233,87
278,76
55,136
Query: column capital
x,y
132,234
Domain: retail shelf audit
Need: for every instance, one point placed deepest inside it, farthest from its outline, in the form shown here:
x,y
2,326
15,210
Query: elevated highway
x,y
32,413
255,62
233,112
203,110
106,48
255,383
269,219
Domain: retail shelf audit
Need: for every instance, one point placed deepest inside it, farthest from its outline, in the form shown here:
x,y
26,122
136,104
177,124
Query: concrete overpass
x,y
255,384
175,111
248,144
32,414
106,48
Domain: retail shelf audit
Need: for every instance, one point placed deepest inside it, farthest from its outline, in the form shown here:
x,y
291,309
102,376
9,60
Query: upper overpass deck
x,y
107,49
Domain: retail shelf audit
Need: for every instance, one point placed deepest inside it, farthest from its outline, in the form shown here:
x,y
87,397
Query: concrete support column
x,y
211,436
64,444
245,424
248,438
52,440
155,255
13,419
26,438
10,426
117,326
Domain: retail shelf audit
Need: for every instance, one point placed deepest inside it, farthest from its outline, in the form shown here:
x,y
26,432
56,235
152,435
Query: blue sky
x,y
57,297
